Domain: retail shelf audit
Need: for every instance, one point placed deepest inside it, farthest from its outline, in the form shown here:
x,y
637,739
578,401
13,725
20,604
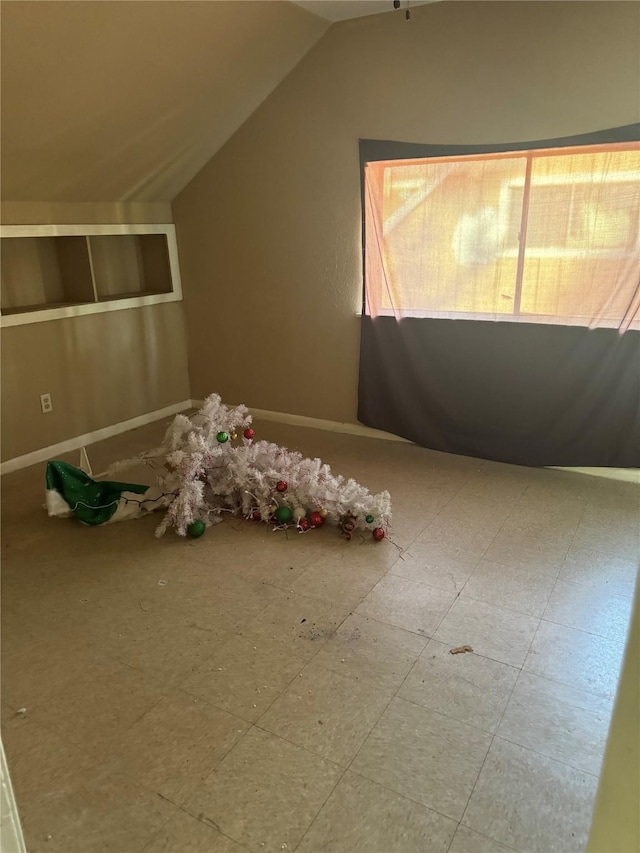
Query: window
x,y
548,235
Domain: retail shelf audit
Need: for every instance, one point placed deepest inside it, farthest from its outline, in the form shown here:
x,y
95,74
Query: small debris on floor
x,y
459,650
320,723
21,711
144,609
302,620
162,582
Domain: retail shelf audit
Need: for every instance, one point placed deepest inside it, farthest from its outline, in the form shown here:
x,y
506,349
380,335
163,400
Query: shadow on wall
x,y
100,369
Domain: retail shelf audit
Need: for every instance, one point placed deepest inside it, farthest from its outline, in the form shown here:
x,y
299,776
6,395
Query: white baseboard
x,y
318,423
46,453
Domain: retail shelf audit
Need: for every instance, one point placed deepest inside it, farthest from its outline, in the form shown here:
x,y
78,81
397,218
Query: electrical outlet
x,y
46,404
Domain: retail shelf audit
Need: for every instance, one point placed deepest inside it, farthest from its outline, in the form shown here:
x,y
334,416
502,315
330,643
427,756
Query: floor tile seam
x,y
605,508
219,707
211,705
475,783
532,568
155,834
299,673
392,698
468,597
391,572
494,734
44,700
483,655
402,795
388,624
436,515
151,678
455,831
185,810
564,762
447,716
593,776
580,520
513,499
482,835
620,642
369,733
425,636
610,700
81,746
611,530
50,731
545,618
115,766
211,826
412,580
317,815
335,603
491,605
109,766
497,605
255,638
446,503
344,675
310,750
607,697
424,583
598,587
311,598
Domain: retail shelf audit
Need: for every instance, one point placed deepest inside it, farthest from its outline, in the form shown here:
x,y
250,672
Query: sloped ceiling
x,y
343,10
126,101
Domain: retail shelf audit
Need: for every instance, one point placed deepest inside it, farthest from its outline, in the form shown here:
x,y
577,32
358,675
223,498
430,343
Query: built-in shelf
x,y
55,271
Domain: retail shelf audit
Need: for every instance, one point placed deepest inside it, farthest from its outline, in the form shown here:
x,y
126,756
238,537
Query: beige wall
x,y
100,368
269,231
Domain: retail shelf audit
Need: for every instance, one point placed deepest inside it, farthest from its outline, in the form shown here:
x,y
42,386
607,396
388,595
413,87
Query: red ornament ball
x,y
303,524
281,486
316,519
249,433
378,534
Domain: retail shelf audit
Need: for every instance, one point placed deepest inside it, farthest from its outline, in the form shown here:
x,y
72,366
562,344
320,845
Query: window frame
x,y
374,151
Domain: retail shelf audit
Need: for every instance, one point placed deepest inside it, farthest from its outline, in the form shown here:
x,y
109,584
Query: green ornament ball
x,y
222,437
283,514
369,519
196,529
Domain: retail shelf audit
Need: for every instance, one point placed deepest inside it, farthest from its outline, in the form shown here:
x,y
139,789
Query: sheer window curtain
x,y
501,301
548,236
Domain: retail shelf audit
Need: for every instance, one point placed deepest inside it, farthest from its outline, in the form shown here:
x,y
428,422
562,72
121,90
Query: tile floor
x,y
258,691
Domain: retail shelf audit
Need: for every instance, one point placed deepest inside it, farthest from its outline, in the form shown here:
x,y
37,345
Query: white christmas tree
x,y
211,464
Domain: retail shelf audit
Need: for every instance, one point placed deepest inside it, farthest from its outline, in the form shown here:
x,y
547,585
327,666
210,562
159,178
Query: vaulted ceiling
x,y
107,101
343,10
122,101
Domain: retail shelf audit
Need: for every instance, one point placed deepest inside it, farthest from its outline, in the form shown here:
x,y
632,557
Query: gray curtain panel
x,y
525,393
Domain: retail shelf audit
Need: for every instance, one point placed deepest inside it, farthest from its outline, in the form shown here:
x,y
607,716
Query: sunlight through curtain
x,y
548,235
